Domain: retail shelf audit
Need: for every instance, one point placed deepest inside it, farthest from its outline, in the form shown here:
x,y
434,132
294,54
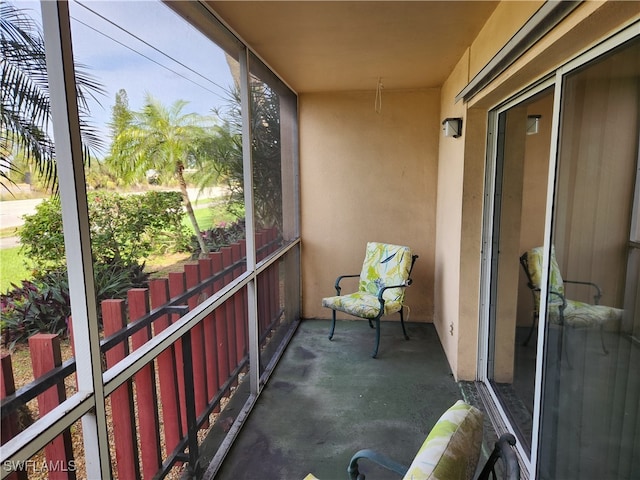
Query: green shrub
x,y
42,238
34,307
221,236
125,229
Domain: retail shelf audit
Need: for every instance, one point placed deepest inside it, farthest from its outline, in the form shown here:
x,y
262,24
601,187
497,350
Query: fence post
x,y
275,280
192,273
245,319
227,261
239,307
261,286
124,424
159,290
9,427
177,287
220,316
45,355
210,341
270,281
145,383
193,467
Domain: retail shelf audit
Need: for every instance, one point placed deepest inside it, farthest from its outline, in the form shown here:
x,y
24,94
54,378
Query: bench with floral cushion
x,y
450,451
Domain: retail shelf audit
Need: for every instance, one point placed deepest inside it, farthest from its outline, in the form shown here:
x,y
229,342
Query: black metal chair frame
x,y
502,451
381,312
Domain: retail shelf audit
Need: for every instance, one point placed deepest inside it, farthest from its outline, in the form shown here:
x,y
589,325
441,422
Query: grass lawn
x,y
209,214
12,268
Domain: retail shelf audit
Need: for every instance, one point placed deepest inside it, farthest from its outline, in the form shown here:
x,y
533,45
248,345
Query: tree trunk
x,y
192,216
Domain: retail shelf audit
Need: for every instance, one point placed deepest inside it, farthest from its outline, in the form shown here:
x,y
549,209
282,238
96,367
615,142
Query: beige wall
x,y
367,176
461,170
460,198
503,24
449,218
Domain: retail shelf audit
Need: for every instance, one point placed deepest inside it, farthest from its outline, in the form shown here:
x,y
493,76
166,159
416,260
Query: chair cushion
x,y
385,264
361,304
452,449
556,284
580,314
576,313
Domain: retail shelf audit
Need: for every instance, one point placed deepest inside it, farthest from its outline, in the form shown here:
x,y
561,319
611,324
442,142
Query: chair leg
x,y
333,325
375,350
604,349
406,337
564,347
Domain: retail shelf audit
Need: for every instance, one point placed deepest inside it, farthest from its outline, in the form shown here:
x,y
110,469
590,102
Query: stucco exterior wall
x,y
460,198
584,28
461,170
367,176
503,24
449,217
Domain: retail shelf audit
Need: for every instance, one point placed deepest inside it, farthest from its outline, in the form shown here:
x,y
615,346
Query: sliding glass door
x,y
590,425
561,351
520,189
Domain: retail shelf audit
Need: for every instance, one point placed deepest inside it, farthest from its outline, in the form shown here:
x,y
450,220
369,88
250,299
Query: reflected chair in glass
x,y
385,274
561,310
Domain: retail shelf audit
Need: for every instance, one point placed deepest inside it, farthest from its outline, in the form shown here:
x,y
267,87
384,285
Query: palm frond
x,y
25,120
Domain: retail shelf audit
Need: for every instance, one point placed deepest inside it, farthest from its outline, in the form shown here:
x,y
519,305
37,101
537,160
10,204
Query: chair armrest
x,y
502,450
559,295
382,289
375,457
596,297
339,279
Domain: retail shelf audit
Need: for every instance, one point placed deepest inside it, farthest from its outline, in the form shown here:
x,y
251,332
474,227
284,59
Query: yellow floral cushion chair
x,y
561,310
450,451
385,275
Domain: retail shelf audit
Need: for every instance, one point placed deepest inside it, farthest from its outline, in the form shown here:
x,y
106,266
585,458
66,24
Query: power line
x,y
144,56
150,46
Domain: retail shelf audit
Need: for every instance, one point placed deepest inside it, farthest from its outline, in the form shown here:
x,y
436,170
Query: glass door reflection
x,y
522,170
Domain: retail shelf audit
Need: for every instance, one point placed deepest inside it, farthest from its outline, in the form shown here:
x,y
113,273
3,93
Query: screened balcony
x,y
333,151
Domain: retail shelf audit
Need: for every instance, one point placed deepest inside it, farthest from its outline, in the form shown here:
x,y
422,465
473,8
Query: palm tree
x,y
226,152
165,140
25,116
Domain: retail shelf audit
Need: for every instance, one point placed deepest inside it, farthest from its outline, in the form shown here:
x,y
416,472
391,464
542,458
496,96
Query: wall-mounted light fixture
x,y
452,127
533,124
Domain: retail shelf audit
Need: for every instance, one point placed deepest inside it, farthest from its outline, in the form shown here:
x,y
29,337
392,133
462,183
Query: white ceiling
x,y
348,45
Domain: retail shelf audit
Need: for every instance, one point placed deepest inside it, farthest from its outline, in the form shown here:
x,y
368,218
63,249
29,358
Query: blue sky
x,y
169,59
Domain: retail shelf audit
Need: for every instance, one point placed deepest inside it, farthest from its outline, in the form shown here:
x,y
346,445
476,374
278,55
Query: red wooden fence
x,y
150,409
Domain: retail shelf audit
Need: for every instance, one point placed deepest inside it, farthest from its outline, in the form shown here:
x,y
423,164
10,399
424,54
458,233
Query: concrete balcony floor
x,y
328,399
